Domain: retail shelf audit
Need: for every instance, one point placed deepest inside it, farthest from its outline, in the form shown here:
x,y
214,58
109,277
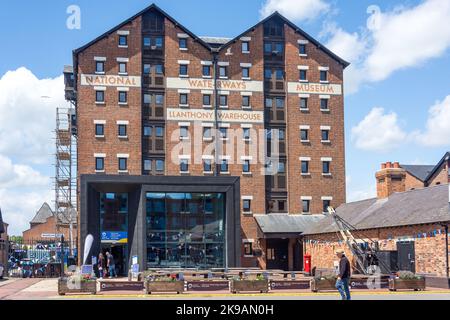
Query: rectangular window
x,y
323,76
99,164
304,103
246,166
305,167
159,69
207,134
122,67
223,100
224,166
99,130
268,73
122,130
279,74
159,132
281,134
148,165
302,49
123,97
326,167
184,165
245,72
305,206
223,72
325,135
279,103
326,204
281,167
99,96
184,132
147,68
248,249
206,71
99,66
207,167
247,205
147,98
159,165
223,133
304,134
268,47
245,46
183,43
323,104
147,131
123,164
147,42
159,99
246,133
279,47
246,101
123,41
183,69
206,99
159,42
302,75
183,98
269,103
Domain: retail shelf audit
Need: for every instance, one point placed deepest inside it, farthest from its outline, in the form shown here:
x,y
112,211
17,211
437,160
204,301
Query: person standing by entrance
x,y
343,279
101,265
111,265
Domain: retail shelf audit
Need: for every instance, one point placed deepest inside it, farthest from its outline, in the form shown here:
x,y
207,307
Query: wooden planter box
x,y
249,286
164,286
323,285
402,284
85,287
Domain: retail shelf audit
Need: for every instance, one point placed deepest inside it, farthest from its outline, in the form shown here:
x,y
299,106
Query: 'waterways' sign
x,y
314,88
208,84
209,115
110,81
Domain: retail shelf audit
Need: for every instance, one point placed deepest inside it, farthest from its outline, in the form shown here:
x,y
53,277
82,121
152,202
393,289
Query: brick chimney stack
x,y
390,179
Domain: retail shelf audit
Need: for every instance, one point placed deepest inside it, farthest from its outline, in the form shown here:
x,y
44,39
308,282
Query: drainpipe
x,y
217,150
446,251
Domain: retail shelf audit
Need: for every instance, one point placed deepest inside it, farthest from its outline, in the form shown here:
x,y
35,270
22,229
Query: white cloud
x,y
27,120
401,38
362,194
15,175
437,132
297,10
378,131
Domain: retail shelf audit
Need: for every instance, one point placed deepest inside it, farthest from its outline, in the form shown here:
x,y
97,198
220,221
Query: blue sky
x,y
399,66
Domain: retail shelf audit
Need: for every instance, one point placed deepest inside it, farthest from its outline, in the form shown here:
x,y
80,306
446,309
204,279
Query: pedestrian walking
x,y
343,279
111,265
101,265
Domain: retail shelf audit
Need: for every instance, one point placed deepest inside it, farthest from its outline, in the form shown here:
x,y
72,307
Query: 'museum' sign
x,y
209,115
110,81
314,88
208,84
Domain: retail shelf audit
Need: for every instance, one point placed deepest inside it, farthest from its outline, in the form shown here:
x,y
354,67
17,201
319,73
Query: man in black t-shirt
x,y
343,279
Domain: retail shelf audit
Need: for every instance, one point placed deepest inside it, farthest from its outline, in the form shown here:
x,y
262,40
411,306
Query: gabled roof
x,y
297,29
421,172
65,218
152,6
2,228
421,206
436,167
43,214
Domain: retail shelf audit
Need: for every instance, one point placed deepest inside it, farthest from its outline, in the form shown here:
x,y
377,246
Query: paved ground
x,y
38,289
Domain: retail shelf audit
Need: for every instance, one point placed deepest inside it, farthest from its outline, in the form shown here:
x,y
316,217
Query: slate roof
x,y
42,214
215,40
421,172
286,223
421,206
64,218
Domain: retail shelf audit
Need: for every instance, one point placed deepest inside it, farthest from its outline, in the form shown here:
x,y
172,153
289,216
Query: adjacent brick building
x,y
411,226
4,244
155,100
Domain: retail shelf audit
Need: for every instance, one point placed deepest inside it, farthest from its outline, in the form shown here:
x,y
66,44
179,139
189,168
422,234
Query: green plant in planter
x,y
408,275
329,277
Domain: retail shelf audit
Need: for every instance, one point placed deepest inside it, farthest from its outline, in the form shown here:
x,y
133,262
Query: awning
x,y
277,225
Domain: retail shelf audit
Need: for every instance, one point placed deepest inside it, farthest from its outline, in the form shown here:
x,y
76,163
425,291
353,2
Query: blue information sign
x,y
115,236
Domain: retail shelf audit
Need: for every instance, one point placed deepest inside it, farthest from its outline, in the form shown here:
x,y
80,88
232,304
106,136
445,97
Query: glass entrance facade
x,y
185,230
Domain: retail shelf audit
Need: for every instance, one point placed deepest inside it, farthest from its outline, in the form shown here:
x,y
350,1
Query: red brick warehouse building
x,y
187,144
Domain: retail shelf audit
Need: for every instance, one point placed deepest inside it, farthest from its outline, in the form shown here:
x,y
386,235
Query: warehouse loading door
x,y
406,256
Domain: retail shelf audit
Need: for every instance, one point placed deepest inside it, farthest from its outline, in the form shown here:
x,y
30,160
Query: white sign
x,y
314,88
208,84
110,81
50,235
175,114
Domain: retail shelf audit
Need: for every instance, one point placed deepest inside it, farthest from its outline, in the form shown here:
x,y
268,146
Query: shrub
x,y
408,275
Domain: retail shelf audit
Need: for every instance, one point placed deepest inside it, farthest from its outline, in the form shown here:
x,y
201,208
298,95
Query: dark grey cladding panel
x,y
421,206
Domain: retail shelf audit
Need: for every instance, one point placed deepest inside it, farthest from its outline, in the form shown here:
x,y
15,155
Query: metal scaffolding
x,y
65,174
